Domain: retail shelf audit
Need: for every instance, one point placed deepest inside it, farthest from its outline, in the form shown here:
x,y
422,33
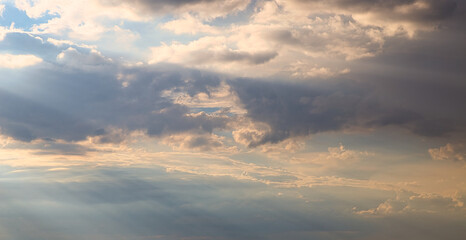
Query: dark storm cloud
x,y
415,11
298,110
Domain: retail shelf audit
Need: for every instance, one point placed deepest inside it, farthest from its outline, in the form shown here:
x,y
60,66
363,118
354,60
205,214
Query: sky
x,y
233,119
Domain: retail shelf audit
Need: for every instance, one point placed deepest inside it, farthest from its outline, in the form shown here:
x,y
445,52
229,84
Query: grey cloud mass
x,y
26,120
298,110
407,10
208,7
70,101
417,85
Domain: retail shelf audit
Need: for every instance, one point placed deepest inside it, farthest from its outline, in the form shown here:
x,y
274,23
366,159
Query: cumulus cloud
x,y
92,92
302,39
276,40
309,39
84,20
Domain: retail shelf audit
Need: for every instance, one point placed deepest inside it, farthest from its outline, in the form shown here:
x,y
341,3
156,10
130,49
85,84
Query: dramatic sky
x,y
232,119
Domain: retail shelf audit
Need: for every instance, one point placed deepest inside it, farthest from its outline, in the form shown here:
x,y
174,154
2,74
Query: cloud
x,y
81,94
305,71
2,9
208,53
275,42
21,43
203,8
293,110
86,92
305,39
408,202
189,25
198,142
414,10
60,148
449,152
27,120
18,61
217,99
213,153
86,20
409,16
69,19
86,61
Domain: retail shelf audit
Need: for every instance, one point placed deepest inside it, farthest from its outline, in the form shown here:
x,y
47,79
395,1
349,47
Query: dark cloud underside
x,y
414,10
71,101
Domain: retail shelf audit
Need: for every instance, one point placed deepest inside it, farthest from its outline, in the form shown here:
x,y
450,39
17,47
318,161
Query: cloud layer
x,y
207,119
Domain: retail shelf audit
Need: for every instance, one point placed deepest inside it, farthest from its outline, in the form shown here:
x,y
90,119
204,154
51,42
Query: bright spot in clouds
x,y
18,61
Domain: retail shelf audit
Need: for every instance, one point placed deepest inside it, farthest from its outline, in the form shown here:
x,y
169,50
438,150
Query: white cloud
x,y
215,53
276,40
81,20
18,61
188,24
86,19
61,43
301,39
2,9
